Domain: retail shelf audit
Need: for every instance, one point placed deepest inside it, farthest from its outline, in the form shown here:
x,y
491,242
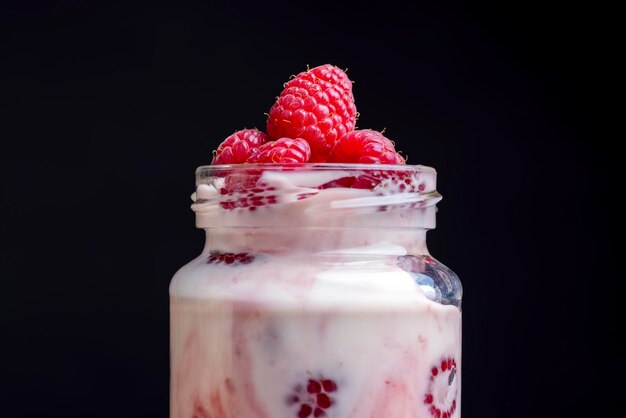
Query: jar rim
x,y
316,194
208,169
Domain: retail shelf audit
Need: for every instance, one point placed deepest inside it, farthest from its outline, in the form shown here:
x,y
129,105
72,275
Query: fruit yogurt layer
x,y
312,296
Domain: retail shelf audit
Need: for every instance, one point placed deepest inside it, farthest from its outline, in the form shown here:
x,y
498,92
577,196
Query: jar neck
x,y
292,240
315,195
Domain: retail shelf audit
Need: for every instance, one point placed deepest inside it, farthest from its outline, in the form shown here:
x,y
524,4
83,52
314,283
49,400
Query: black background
x,y
107,108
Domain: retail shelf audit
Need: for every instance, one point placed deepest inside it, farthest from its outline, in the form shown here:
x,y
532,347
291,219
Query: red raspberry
x,y
239,146
217,257
247,198
441,394
365,146
314,399
283,150
316,105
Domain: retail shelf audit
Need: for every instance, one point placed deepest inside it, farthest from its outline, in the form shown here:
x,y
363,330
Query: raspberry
x,y
217,257
239,146
389,182
365,146
442,389
247,198
386,182
316,105
240,181
283,150
314,399
246,189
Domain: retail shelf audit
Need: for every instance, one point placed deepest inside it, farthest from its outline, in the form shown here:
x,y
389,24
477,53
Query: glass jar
x,y
315,296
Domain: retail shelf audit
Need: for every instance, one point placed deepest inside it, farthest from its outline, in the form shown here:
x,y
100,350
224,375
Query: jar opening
x,y
326,195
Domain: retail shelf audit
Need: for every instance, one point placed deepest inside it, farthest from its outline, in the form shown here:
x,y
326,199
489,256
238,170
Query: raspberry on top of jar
x,y
313,120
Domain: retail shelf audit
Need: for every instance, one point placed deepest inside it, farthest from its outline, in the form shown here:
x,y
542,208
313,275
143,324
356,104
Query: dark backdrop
x,y
107,108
